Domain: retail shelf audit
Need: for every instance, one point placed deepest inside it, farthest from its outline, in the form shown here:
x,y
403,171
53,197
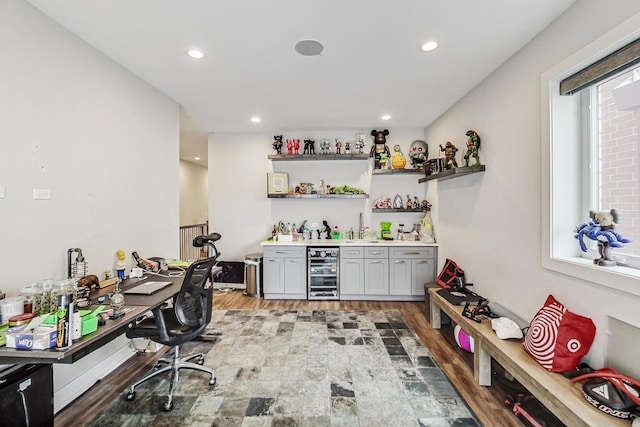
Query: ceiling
x,y
370,64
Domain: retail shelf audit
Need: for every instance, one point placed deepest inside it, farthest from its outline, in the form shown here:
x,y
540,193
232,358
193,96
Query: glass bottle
x,y
117,299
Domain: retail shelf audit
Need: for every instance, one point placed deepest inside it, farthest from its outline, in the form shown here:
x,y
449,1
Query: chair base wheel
x,y
167,407
201,361
212,382
130,396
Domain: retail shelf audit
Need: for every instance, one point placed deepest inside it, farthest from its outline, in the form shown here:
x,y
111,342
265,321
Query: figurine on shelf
x,y
450,151
289,146
398,161
397,202
347,148
601,228
360,143
408,205
473,145
327,229
309,146
338,146
379,146
325,146
296,146
382,202
416,203
418,153
277,143
383,162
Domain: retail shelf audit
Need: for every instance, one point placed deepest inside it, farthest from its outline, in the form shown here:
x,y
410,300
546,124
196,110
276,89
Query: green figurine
x,y
473,145
450,151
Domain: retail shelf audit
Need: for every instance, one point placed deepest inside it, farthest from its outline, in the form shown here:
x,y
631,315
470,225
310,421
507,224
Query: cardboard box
x,y
34,336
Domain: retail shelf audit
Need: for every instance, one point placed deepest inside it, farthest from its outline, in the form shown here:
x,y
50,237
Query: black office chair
x,y
184,321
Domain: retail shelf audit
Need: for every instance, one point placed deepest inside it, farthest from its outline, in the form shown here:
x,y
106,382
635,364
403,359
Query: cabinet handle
x,y
376,262
352,262
353,252
284,252
376,253
294,260
400,262
412,253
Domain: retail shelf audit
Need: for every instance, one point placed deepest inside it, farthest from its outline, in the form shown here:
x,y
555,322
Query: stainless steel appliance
x,y
324,273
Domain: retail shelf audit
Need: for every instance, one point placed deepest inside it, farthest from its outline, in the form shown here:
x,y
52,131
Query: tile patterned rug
x,y
303,368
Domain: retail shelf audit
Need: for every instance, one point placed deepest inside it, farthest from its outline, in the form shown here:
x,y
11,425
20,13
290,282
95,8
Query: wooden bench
x,y
553,390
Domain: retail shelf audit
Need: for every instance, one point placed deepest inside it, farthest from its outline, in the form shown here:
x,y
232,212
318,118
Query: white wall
x,y
491,222
102,140
240,210
194,193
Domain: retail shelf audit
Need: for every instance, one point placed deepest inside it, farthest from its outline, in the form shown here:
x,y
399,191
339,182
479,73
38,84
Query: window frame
x,y
563,198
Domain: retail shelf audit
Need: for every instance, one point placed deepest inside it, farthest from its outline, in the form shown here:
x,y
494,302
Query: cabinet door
x,y
376,277
273,275
400,276
423,271
351,276
295,276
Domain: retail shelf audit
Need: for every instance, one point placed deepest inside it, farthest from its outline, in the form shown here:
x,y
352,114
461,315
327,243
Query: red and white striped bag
x,y
558,338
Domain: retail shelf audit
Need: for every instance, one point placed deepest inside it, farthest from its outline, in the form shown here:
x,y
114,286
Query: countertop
x,y
350,242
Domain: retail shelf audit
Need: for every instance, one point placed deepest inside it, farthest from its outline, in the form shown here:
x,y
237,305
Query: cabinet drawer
x,y
411,253
285,251
376,252
351,252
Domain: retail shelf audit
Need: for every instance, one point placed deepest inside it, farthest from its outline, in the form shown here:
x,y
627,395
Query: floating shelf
x,y
453,173
318,196
398,210
398,172
311,157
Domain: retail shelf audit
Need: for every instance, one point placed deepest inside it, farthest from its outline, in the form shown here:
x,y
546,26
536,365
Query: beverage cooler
x,y
26,396
324,273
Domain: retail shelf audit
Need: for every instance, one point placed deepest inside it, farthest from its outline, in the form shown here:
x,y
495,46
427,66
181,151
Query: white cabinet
x,y
376,271
285,272
351,270
410,269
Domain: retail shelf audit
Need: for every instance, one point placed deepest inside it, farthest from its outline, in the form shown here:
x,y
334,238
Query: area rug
x,y
303,368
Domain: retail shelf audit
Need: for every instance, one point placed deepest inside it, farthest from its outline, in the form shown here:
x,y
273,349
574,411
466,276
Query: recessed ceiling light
x,y
196,158
195,53
428,46
256,119
309,47
385,117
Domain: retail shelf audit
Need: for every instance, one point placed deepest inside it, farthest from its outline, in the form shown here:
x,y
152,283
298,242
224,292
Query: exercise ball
x,y
463,339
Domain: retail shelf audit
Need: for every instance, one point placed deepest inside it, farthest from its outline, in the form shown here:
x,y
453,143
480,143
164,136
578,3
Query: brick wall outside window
x,y
619,163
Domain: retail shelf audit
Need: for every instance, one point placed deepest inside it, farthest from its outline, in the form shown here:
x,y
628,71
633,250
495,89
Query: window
x,y
610,112
591,157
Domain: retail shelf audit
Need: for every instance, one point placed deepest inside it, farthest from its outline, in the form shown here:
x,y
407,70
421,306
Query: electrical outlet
x,y
314,225
3,192
41,194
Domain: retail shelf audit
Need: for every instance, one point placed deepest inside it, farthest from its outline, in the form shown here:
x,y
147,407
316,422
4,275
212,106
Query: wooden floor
x,y
485,402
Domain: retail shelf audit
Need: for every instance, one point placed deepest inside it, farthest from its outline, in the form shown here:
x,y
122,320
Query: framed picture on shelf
x,y
277,183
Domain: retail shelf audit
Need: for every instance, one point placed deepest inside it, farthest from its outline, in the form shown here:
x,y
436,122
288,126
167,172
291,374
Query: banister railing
x,y
187,234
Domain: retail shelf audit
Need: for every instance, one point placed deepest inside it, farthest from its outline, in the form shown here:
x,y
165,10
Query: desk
x,y
139,304
556,392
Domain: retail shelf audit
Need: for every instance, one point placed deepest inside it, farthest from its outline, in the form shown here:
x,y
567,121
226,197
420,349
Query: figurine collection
x,y
383,158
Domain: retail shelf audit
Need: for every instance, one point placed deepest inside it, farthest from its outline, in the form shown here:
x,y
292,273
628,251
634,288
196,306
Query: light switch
x,y
41,194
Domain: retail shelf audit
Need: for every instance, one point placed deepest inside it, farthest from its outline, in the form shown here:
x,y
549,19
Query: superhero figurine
x,y
450,151
473,144
277,143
